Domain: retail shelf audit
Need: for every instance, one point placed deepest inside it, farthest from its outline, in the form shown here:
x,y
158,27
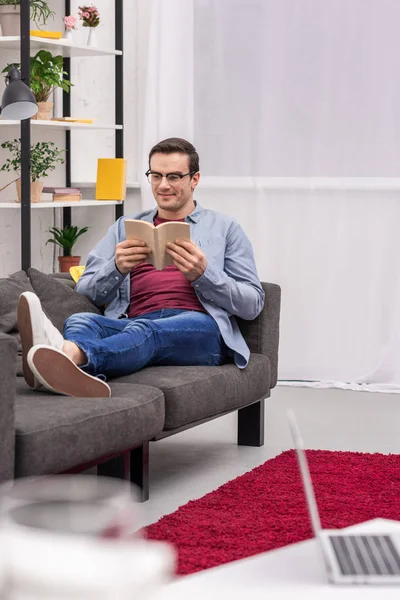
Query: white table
x,y
295,571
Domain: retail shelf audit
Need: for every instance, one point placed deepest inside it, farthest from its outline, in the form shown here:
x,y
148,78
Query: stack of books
x,y
64,194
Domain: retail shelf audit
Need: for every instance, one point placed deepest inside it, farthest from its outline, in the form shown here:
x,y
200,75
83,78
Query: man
x,y
182,315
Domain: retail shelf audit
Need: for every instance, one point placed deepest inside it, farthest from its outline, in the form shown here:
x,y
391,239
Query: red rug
x,y
265,508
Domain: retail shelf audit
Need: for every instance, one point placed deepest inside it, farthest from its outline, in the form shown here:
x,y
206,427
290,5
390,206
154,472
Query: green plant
x,y
43,157
66,237
40,11
46,73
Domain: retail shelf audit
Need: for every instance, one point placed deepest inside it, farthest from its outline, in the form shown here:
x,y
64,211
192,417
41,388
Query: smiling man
x,y
182,315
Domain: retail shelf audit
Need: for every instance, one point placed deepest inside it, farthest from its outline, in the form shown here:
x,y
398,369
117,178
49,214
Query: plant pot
x,y
66,262
45,111
36,191
9,19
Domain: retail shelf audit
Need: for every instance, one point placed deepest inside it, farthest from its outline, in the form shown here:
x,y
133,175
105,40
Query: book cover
x,y
61,190
67,197
156,238
71,120
53,35
111,179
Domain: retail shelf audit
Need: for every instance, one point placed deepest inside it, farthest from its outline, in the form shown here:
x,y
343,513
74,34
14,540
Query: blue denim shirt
x,y
229,286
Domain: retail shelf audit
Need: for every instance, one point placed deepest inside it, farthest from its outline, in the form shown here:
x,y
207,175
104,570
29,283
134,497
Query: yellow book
x,y
111,179
71,120
52,35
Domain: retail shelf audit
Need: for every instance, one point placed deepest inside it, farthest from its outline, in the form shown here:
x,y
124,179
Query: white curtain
x,y
294,106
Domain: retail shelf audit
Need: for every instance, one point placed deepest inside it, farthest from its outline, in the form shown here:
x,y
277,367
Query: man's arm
x,y
101,278
236,288
109,263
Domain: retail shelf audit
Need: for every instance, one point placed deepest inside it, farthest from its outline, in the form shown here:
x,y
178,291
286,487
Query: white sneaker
x,y
58,373
35,328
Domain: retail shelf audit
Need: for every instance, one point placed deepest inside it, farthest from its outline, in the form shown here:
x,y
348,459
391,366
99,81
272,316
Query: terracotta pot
x,y
66,262
9,19
36,191
45,111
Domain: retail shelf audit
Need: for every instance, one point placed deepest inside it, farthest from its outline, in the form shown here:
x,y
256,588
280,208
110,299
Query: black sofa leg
x,y
115,467
140,470
251,424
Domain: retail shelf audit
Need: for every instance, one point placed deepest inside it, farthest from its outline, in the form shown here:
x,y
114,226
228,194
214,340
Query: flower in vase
x,y
89,15
70,22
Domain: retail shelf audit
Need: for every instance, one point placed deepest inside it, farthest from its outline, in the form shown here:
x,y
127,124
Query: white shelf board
x,y
63,47
96,203
60,124
92,184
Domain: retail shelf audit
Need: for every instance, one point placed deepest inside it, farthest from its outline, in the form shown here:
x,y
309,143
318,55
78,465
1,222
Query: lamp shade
x,y
18,101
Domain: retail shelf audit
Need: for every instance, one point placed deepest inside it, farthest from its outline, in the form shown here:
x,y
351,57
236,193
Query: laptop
x,y
349,558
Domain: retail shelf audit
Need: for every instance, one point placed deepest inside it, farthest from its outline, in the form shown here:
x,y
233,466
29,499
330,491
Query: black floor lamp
x,y
18,101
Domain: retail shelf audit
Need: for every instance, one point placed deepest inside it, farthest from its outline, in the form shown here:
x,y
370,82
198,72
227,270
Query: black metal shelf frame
x,y
26,233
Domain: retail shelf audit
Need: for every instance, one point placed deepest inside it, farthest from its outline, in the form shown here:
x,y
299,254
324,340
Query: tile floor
x,y
197,461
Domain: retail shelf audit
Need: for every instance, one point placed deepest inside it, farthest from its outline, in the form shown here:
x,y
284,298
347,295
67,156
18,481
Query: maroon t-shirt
x,y
153,290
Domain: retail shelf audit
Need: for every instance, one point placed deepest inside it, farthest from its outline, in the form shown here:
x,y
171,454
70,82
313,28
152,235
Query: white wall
x,y
92,96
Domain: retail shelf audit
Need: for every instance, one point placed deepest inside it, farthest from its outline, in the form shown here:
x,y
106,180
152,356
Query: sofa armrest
x,y
262,334
8,358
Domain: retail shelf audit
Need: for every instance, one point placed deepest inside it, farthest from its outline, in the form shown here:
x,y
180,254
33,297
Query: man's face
x,y
175,200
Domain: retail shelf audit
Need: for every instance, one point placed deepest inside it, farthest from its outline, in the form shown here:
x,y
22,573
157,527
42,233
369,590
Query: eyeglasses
x,y
172,178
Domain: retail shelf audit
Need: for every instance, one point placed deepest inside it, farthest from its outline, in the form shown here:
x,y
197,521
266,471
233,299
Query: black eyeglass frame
x,y
180,175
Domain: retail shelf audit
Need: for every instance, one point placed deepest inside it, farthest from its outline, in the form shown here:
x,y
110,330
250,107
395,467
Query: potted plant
x,y
66,237
44,158
10,15
46,73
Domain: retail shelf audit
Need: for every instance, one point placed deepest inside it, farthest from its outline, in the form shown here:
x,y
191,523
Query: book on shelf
x,y
67,197
111,179
52,35
71,120
61,190
156,238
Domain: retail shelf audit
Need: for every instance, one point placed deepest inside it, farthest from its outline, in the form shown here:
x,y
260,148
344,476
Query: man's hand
x,y
129,254
189,259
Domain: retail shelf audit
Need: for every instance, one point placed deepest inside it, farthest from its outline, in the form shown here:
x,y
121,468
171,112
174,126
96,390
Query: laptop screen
x,y
305,473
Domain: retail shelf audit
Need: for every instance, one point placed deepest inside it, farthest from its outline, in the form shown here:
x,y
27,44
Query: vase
x,y
68,35
92,37
10,19
45,111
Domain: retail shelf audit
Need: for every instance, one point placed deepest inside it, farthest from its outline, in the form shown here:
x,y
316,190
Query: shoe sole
x,y
25,329
56,371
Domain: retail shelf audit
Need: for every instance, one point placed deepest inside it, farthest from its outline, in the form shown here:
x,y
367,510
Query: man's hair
x,y
180,145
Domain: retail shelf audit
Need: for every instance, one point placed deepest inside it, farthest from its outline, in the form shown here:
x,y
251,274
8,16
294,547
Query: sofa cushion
x,y
10,290
59,300
55,433
195,393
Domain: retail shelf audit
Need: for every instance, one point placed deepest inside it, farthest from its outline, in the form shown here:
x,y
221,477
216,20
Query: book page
x,y
169,232
142,230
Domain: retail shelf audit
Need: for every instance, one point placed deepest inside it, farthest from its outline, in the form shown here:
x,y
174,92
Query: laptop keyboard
x,y
366,554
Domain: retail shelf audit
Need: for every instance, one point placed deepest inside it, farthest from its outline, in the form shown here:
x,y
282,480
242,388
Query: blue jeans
x,y
170,336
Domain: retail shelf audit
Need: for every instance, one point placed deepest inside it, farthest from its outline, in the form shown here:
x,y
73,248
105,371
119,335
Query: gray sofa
x,y
43,433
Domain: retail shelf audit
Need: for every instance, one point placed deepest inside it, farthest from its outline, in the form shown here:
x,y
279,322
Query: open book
x,y
157,238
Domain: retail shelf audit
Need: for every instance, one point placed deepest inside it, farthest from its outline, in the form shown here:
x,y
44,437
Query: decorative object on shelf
x,y
18,101
50,35
44,158
72,120
66,237
70,25
46,73
111,179
90,17
10,15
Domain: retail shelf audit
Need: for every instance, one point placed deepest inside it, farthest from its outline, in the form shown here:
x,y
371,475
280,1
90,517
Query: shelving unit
x,y
27,45
92,203
61,125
